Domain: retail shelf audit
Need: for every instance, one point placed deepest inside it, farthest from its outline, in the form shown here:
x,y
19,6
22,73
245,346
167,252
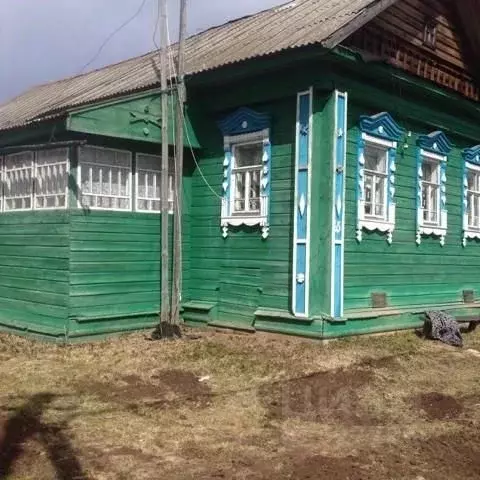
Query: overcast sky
x,y
45,40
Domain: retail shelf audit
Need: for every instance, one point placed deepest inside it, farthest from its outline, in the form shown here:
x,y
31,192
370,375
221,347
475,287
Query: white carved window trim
x,y
469,230
368,222
439,228
86,164
228,216
143,173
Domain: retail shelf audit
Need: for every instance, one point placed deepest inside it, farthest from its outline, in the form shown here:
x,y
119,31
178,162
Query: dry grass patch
x,y
237,406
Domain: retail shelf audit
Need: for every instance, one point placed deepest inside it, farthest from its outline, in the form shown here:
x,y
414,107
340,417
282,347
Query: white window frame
x,y
171,185
469,231
34,193
372,216
439,228
246,212
426,191
79,181
4,179
385,224
67,162
261,218
476,193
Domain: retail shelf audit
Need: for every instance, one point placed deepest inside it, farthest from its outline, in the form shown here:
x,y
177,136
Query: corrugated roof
x,y
293,25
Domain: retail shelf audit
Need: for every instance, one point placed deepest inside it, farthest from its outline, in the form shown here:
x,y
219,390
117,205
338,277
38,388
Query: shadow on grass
x,y
26,423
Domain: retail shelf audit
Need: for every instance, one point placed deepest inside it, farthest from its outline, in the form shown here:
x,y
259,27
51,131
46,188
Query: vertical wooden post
x,y
178,211
165,297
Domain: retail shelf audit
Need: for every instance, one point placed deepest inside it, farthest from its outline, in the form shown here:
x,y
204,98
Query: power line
x,y
186,129
117,30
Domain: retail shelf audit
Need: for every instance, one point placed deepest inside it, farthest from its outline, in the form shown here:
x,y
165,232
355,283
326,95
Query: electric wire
x,y
81,71
187,135
117,30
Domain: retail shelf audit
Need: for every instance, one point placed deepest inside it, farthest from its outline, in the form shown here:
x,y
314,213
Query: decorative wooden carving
x,y
397,36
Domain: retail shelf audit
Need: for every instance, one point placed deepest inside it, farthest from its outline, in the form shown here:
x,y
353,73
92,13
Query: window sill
x,y
249,221
435,230
470,234
373,225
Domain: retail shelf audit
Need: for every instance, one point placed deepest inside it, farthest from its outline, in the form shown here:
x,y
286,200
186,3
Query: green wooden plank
x,y
117,287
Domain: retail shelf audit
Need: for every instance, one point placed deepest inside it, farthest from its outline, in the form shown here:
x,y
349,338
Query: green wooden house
x,y
331,180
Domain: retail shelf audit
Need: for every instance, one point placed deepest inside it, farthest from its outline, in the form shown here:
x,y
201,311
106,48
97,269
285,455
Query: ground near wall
x,y
239,406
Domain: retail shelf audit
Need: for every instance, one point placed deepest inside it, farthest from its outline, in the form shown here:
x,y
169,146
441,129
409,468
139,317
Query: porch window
x,y
18,181
432,186
148,183
51,179
105,178
246,175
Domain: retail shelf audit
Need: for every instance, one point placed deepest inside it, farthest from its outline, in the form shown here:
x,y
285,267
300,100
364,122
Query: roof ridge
x,y
272,30
147,54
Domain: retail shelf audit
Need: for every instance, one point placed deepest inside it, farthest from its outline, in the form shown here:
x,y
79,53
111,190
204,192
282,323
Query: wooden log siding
x,y
396,36
34,271
244,272
411,275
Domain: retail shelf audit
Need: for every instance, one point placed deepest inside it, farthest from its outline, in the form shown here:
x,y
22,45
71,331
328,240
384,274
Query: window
x,y
376,186
430,34
471,194
431,191
51,179
148,183
473,197
246,175
432,186
247,181
18,178
376,160
376,168
105,178
247,166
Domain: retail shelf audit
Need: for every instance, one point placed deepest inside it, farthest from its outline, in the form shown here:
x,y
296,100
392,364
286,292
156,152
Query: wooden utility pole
x,y
179,130
165,297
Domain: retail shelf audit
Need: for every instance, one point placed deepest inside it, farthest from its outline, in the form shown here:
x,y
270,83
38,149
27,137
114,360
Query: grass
x,y
390,407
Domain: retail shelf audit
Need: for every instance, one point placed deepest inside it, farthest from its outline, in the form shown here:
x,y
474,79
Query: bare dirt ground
x,y
220,405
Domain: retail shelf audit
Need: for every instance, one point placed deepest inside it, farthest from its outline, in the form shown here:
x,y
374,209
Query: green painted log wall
x,y
322,204
411,275
114,263
34,271
243,272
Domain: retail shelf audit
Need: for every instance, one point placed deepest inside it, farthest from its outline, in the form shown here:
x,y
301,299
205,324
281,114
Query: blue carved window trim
x,y
471,162
242,127
435,148
378,131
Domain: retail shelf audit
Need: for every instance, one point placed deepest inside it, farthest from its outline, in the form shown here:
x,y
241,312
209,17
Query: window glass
x,y
473,198
248,155
375,181
105,178
149,183
18,184
246,177
431,191
51,179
